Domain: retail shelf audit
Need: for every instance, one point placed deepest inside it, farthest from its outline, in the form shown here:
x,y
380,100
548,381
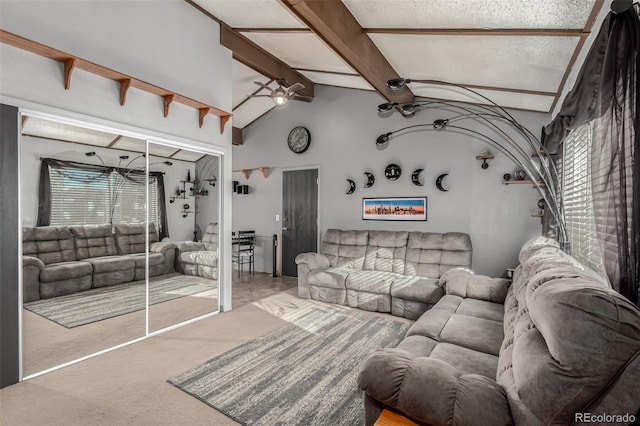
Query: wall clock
x,y
299,139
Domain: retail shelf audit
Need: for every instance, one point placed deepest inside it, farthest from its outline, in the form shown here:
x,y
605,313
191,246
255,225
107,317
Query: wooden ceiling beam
x,y
332,21
255,57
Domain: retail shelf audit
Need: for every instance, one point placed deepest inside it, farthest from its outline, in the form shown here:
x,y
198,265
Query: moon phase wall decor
x,y
415,177
371,179
352,186
392,172
439,182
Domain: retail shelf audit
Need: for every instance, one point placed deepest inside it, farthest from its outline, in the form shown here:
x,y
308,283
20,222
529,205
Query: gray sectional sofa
x,y
59,260
383,271
200,258
556,342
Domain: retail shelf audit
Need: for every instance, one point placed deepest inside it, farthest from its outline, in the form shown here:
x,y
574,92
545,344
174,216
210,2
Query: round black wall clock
x,y
299,139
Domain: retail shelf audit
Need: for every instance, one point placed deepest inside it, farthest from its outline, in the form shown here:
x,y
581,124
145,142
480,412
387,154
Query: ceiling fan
x,y
282,93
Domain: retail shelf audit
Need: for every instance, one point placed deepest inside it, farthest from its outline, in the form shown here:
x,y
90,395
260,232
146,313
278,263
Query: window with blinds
x,y
85,197
577,198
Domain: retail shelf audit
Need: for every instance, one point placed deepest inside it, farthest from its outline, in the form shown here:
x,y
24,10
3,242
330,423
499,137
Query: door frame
x,y
317,167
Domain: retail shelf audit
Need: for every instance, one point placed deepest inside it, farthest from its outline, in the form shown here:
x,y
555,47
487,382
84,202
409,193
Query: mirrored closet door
x,y
184,202
84,241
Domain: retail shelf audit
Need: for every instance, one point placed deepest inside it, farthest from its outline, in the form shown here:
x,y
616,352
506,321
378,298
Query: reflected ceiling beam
x,y
333,23
114,141
255,57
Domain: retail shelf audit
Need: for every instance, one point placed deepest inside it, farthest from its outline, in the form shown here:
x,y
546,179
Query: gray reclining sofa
x,y
59,260
383,271
554,347
200,258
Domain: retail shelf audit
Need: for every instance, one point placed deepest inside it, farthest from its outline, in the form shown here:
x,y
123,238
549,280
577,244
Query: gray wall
x,y
344,124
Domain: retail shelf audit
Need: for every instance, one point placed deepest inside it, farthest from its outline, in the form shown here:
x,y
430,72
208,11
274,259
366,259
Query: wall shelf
x,y
484,159
534,183
71,62
247,172
537,215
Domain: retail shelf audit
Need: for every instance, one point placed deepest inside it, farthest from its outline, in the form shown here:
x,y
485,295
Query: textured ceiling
x,y
517,52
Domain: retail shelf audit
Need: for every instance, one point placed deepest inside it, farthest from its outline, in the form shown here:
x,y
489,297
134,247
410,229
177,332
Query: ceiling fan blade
x,y
302,98
258,96
295,87
264,86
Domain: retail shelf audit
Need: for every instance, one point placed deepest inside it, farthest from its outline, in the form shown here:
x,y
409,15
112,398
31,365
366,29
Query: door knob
x,y
284,228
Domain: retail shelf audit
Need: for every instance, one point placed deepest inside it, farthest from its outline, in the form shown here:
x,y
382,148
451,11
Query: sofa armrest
x,y
31,267
160,247
190,246
308,262
464,283
432,391
32,261
313,260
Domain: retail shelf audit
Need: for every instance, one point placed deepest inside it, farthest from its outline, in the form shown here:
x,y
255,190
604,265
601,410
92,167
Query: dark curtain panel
x,y
163,226
44,195
606,93
99,172
616,192
580,104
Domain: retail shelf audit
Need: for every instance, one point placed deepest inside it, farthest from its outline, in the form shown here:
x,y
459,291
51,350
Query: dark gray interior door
x,y
299,216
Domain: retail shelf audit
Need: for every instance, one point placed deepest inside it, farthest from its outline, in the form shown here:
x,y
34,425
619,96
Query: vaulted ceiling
x,y
516,52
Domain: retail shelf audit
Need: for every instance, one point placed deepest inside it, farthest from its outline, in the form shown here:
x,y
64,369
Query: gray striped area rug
x,y
102,303
293,376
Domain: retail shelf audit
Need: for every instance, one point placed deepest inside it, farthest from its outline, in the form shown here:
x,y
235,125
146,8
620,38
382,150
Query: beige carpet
x,y
129,386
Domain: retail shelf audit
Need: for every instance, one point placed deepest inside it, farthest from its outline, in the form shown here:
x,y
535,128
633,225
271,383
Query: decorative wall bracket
x,y
247,172
71,62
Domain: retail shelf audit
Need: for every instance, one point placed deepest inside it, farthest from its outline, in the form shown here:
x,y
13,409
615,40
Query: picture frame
x,y
395,208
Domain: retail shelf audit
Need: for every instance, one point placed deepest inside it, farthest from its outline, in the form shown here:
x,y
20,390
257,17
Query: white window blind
x,y
577,198
85,197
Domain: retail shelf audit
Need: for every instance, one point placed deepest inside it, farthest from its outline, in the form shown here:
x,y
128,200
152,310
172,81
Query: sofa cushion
x,y
467,361
482,309
386,251
111,264
432,254
416,288
210,237
154,259
65,270
206,258
94,241
370,282
130,237
345,248
535,244
331,277
474,333
51,244
431,323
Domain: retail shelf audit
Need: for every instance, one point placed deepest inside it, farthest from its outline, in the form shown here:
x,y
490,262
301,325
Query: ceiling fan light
x,y
397,83
408,109
279,100
386,107
279,97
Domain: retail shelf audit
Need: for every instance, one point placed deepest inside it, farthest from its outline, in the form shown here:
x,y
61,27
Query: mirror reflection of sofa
x,y
200,258
59,260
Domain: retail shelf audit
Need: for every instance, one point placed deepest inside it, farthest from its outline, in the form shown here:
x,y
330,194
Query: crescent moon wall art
x,y
439,180
415,177
352,186
371,179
